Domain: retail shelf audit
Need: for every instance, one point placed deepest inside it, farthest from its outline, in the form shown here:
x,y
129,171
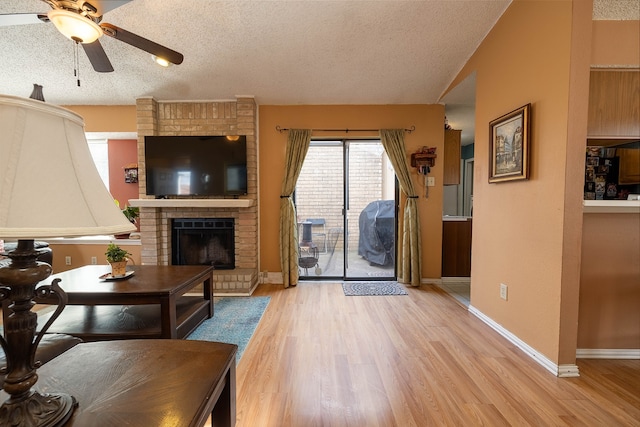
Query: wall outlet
x,y
94,260
431,181
503,291
67,260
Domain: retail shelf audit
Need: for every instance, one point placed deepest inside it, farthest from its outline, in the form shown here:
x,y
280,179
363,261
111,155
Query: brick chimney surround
x,y
217,118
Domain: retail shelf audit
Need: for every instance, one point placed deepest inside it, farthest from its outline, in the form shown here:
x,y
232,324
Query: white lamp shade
x,y
49,185
75,26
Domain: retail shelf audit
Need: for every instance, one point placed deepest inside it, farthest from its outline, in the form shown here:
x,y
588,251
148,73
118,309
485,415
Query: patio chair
x,y
308,258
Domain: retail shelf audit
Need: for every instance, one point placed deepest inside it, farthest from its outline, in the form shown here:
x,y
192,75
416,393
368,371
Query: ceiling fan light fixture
x,y
160,61
75,26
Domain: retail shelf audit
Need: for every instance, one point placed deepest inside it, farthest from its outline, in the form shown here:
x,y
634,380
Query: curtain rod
x,y
279,129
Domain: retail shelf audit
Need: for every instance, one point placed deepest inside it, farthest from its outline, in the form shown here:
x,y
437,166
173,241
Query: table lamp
x,y
49,187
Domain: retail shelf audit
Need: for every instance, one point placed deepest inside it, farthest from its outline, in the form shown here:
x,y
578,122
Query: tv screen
x,y
195,165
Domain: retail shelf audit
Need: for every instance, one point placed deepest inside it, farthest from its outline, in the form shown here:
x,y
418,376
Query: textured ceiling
x,y
281,52
616,10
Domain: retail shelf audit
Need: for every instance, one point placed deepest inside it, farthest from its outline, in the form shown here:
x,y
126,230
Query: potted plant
x,y
132,213
117,257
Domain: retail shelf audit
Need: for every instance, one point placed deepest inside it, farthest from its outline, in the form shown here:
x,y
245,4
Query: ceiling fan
x,y
81,21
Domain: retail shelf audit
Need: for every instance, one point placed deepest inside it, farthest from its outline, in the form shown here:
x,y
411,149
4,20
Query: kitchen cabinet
x,y
629,172
614,111
456,247
451,157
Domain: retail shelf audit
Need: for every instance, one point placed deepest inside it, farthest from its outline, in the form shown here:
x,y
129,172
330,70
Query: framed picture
x,y
131,175
509,146
593,161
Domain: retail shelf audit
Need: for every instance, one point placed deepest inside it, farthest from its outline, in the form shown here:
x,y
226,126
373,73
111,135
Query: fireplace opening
x,y
203,241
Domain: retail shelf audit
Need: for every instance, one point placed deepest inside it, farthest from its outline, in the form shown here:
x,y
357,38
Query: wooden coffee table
x,y
149,304
145,382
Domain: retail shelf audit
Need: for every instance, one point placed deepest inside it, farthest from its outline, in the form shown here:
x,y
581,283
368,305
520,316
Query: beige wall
x,y
525,232
81,254
107,118
615,43
428,120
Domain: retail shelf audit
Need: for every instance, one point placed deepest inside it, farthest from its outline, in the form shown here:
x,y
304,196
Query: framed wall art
x,y
509,146
131,173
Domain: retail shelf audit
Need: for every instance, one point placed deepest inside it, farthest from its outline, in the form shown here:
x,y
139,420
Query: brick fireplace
x,y
201,118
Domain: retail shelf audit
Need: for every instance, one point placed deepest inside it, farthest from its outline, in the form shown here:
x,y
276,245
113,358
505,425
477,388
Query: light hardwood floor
x,y
319,358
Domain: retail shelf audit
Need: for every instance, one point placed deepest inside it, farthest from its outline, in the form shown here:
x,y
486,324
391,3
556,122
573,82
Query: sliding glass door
x,y
346,206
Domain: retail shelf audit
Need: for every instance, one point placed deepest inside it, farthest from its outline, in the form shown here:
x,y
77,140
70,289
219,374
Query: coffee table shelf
x,y
109,322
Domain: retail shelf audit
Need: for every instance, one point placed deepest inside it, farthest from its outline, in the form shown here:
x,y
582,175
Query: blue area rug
x,y
234,321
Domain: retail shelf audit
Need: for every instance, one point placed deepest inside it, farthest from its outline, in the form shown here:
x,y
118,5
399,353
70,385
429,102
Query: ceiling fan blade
x,y
142,43
8,19
97,57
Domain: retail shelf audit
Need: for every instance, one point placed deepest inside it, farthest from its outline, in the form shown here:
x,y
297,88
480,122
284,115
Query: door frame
x,y
345,143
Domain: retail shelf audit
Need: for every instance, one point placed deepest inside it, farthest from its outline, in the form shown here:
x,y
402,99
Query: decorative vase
x,y
118,268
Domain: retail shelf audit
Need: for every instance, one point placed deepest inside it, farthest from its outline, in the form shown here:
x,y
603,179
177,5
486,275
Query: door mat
x,y
373,288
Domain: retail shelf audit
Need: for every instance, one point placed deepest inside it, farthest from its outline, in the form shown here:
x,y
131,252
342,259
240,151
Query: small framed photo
x,y
593,151
593,161
131,175
509,146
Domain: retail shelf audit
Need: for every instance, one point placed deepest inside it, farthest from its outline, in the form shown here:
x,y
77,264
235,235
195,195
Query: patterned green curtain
x,y
393,143
297,147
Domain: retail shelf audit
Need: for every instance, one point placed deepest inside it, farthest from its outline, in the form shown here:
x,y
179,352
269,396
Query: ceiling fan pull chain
x,y
76,62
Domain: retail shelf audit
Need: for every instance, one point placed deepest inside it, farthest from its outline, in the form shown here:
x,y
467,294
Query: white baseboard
x,y
456,280
274,277
608,353
557,370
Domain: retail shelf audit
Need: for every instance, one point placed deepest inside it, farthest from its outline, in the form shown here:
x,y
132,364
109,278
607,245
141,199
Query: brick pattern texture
x,y
320,194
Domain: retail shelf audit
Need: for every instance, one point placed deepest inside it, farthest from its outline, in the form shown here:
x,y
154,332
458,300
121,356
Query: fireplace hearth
x,y
203,241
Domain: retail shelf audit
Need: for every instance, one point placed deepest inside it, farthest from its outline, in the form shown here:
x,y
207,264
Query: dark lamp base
x,y
38,410
18,280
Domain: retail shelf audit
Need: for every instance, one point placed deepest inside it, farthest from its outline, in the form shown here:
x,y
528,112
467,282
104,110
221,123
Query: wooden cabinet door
x,y
614,110
456,248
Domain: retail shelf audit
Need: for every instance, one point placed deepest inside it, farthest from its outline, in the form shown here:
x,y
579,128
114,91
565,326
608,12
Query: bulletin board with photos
x,y
602,175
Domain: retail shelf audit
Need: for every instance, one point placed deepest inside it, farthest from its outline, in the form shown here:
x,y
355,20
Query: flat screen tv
x,y
195,165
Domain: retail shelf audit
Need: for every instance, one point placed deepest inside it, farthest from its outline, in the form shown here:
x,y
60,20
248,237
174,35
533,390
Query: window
x,y
100,152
